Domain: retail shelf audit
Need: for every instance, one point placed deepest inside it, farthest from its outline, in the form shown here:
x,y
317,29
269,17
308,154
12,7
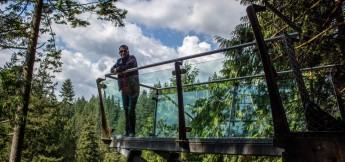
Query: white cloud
x,y
103,39
191,45
5,56
206,65
216,17
85,63
89,53
82,72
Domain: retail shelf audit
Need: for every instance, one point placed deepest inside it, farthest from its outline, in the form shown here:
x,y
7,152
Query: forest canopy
x,y
69,129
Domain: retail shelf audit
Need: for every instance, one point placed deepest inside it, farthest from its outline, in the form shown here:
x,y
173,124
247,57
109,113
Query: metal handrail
x,y
253,76
177,61
201,54
237,78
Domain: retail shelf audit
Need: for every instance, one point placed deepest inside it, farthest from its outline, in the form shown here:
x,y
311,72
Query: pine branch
x,y
12,47
320,35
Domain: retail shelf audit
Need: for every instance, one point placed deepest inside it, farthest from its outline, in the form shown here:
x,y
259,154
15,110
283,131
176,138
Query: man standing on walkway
x,y
129,85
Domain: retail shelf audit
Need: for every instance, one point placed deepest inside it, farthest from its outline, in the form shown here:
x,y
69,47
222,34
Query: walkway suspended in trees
x,y
201,105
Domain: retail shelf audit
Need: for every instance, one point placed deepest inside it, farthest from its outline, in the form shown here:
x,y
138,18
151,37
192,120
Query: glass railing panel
x,y
203,68
158,76
167,115
113,106
214,106
320,85
321,91
228,109
292,104
145,108
212,116
145,112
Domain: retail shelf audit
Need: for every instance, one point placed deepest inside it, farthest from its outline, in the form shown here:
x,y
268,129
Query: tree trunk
x,y
341,28
22,110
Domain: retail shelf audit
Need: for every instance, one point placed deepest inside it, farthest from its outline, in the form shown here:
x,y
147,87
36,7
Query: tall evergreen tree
x,y
67,92
62,12
321,39
9,99
44,133
87,146
145,114
67,121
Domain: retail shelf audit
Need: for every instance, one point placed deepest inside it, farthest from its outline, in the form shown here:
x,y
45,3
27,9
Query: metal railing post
x,y
106,130
182,124
337,92
280,124
155,113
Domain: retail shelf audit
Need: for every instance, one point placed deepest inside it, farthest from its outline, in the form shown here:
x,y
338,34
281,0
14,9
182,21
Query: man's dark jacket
x,y
128,82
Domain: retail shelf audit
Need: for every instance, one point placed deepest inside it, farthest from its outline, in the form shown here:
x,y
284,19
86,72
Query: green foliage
x,y
152,157
67,92
243,61
43,132
113,110
5,140
87,146
10,88
108,11
188,77
322,31
70,130
145,113
110,155
16,18
13,27
209,115
64,11
67,120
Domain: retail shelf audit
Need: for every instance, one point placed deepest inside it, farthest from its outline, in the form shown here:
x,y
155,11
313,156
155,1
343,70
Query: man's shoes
x,y
126,135
131,134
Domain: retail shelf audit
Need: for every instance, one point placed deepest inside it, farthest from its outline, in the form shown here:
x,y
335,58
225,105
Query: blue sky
x,y
155,31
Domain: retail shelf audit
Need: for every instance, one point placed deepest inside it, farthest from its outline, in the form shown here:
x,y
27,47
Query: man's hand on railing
x,y
114,71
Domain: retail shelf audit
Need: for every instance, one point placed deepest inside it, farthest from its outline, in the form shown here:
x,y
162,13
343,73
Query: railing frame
x,y
281,127
293,143
182,137
200,54
106,130
182,126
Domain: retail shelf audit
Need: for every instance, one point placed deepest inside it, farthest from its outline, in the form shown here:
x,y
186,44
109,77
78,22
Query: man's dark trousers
x,y
129,104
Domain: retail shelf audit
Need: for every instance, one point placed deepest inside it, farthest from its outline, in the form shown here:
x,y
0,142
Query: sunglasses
x,y
122,51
